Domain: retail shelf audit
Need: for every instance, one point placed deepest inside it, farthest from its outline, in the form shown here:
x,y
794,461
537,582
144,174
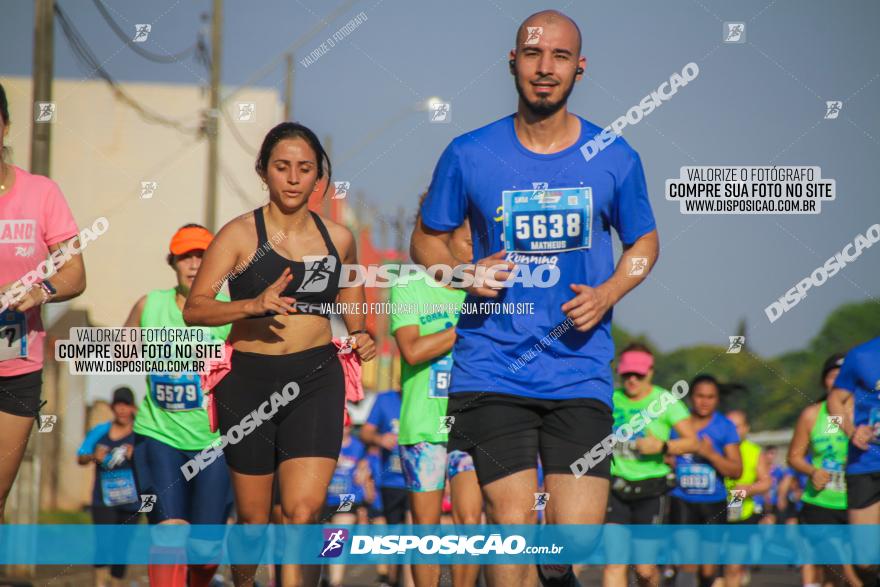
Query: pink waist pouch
x,y
351,369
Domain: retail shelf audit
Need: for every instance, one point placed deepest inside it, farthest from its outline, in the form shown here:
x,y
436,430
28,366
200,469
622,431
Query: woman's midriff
x,y
280,335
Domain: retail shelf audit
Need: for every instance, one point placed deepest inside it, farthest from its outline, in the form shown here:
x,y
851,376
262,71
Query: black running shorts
x,y
308,426
505,434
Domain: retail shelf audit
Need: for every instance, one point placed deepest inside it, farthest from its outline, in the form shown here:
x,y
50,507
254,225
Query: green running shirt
x,y
182,429
633,466
425,386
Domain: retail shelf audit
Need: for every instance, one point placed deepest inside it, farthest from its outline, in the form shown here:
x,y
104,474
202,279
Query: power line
x,y
235,186
264,71
84,54
236,135
170,58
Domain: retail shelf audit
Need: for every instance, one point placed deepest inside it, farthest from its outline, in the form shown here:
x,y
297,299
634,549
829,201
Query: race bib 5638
x,y
547,220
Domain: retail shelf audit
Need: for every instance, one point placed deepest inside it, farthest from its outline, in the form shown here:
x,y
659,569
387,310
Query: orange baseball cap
x,y
190,238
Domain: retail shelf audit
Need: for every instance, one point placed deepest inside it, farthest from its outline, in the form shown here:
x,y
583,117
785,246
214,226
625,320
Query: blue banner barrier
x,y
481,544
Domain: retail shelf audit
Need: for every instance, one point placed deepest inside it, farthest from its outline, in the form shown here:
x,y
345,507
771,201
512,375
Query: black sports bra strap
x,y
327,240
260,221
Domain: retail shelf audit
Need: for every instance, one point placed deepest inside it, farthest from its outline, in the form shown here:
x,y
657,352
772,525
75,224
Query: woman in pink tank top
x,y
37,266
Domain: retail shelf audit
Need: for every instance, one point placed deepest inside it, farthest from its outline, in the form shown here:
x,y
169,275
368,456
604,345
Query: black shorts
x,y
373,512
790,512
649,510
505,434
20,394
308,426
688,512
395,504
862,490
814,514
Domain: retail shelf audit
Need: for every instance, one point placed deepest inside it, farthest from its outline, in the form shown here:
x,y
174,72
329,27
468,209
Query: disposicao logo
x,y
334,542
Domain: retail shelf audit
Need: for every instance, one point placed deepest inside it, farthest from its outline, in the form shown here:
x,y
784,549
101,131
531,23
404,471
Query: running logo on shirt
x,y
15,232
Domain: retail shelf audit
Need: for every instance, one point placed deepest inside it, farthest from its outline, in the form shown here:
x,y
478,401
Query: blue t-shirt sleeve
x,y
92,437
632,216
848,376
731,436
446,205
376,413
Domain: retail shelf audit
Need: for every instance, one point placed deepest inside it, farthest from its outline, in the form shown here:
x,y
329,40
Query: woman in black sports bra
x,y
283,264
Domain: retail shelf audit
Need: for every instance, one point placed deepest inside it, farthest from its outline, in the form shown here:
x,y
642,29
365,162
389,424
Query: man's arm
x,y
431,247
591,304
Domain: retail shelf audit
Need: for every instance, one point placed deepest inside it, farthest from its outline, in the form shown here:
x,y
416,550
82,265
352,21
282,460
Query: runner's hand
x,y
364,346
388,441
587,308
706,450
101,452
129,451
490,274
32,299
649,445
862,436
820,478
271,299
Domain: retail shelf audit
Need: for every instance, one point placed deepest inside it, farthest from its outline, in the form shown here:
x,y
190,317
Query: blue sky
x,y
760,102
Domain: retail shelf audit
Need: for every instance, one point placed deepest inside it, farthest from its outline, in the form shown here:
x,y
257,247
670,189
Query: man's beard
x,y
542,107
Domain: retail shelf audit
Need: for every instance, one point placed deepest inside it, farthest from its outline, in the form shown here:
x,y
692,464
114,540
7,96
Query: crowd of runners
x,y
491,416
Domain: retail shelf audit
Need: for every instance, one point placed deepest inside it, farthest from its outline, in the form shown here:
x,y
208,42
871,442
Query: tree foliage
x,y
771,390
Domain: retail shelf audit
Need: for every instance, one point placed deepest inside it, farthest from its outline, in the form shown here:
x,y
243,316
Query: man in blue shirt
x,y
859,378
524,383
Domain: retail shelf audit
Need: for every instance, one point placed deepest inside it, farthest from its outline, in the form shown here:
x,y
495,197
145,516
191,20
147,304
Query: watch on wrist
x,y
49,290
665,449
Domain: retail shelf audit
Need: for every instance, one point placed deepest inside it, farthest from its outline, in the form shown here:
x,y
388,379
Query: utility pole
x,y
288,88
212,120
400,227
44,50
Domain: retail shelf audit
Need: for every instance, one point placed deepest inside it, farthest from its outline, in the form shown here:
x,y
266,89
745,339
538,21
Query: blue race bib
x,y
13,335
697,478
547,220
118,487
441,372
176,393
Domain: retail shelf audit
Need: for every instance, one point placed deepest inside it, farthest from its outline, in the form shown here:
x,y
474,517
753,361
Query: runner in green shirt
x,y
171,428
638,469
423,324
821,436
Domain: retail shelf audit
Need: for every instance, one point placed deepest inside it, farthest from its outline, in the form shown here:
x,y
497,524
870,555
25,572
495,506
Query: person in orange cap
x,y
172,428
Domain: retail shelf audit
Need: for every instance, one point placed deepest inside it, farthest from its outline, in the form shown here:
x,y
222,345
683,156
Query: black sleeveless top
x,y
315,278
